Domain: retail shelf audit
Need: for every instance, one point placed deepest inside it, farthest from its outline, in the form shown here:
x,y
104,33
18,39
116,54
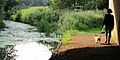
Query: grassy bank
x,y
44,18
82,20
62,22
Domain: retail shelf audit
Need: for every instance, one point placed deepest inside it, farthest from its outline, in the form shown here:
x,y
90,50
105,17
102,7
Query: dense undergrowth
x,y
61,22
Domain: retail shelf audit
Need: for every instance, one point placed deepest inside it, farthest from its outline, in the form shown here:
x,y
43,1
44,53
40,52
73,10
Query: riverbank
x,y
83,47
15,33
19,41
84,40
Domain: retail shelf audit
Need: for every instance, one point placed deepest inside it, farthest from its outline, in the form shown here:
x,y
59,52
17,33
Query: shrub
x,y
16,17
66,22
48,20
66,37
44,18
83,20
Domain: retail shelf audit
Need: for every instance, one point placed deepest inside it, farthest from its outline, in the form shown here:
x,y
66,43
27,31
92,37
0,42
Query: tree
x,y
1,13
9,4
96,4
5,6
62,4
34,2
87,4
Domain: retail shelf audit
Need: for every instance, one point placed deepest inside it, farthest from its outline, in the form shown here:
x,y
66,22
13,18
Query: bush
x,y
66,23
44,18
83,20
66,37
48,20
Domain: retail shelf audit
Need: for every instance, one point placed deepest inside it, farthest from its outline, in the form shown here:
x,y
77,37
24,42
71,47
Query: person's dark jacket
x,y
109,21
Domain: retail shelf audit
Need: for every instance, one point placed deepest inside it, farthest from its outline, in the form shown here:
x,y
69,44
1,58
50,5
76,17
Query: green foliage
x,y
95,4
83,20
44,18
10,4
8,8
61,4
1,13
49,21
86,4
66,37
17,16
35,2
44,26
32,3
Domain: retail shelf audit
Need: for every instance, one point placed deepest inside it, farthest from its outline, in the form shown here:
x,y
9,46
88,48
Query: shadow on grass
x,y
90,53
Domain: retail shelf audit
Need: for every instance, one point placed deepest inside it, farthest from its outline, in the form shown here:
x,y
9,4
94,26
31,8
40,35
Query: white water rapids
x,y
23,38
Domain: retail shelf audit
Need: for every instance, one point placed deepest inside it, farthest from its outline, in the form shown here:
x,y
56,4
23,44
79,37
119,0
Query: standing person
x,y
109,25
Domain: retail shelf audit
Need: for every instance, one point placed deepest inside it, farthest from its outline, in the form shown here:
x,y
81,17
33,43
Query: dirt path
x,y
81,41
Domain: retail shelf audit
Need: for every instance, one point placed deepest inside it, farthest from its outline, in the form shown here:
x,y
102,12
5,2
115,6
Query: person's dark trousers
x,y
108,31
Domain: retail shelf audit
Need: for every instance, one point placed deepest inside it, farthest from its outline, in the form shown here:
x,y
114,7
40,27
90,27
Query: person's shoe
x,y
109,43
105,41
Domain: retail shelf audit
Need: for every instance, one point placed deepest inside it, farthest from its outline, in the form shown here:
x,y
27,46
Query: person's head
x,y
109,11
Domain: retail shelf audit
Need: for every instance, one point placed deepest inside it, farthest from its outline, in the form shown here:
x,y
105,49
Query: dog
x,y
97,38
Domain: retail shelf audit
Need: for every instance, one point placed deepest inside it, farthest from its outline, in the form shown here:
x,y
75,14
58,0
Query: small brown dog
x,y
97,38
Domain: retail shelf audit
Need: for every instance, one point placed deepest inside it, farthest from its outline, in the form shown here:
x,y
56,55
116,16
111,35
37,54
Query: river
x,y
19,41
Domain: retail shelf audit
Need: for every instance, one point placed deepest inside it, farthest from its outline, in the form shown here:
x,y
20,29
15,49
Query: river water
x,y
20,41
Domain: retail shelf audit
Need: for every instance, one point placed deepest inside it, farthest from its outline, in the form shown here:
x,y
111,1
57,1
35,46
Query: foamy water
x,y
32,51
24,39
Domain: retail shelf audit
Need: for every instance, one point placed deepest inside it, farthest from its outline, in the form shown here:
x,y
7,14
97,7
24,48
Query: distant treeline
x,y
48,20
85,4
66,4
31,3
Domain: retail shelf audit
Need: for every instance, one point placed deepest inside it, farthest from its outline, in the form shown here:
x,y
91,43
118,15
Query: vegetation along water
x,y
55,18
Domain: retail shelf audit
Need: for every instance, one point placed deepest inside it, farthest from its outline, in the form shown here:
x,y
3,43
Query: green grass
x,y
49,21
44,18
67,23
66,37
81,21
90,31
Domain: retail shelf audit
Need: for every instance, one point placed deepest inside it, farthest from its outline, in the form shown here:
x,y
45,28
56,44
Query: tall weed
x,y
44,18
82,20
